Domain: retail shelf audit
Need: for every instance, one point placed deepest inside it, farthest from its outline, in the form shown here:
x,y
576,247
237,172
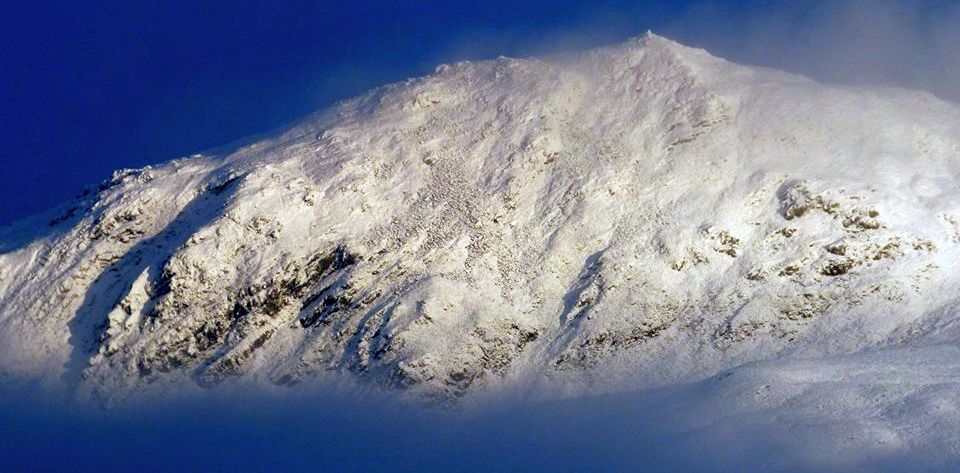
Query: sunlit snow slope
x,y
633,216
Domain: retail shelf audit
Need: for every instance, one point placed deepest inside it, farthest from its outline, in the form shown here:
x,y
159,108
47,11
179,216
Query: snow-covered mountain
x,y
633,216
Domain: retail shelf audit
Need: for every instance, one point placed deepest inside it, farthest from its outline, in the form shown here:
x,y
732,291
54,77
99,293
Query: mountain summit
x,y
632,216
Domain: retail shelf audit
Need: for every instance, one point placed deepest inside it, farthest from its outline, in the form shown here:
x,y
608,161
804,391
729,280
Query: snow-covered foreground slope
x,y
628,217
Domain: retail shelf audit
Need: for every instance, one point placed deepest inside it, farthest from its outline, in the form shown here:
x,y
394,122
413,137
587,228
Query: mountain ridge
x,y
631,216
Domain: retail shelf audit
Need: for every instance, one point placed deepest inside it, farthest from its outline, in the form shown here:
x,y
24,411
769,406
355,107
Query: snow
x,y
636,216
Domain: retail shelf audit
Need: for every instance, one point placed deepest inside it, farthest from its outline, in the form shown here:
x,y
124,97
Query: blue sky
x,y
89,87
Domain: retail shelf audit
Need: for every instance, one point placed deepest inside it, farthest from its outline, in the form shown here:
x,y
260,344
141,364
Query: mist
x,y
655,431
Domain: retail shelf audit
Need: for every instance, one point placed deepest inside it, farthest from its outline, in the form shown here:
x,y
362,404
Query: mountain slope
x,y
631,216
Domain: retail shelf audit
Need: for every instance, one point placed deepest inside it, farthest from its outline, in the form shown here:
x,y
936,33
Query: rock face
x,y
624,217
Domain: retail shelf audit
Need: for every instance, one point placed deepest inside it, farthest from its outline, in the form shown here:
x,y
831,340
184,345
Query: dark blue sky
x,y
92,86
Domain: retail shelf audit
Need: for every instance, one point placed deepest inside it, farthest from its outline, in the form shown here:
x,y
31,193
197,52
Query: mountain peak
x,y
658,52
653,39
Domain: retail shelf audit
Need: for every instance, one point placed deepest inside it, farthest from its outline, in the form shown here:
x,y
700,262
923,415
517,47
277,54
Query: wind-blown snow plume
x,y
906,43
